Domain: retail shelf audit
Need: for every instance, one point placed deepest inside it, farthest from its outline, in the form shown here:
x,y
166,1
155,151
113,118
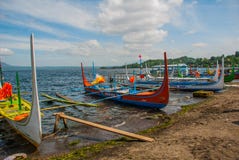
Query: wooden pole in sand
x,y
128,134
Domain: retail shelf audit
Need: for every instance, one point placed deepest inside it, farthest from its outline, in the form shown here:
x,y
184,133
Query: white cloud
x,y
87,48
22,42
38,26
148,36
187,19
93,44
7,37
199,44
52,46
5,52
52,11
193,31
13,42
139,22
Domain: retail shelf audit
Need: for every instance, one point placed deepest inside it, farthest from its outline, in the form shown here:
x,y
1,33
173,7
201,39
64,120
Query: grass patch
x,y
73,143
187,108
87,152
168,121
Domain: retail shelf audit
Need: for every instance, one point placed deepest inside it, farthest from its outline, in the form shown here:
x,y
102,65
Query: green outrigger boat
x,y
230,77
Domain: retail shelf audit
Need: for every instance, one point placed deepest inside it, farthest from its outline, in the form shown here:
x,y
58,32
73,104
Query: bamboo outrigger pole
x,y
64,97
18,92
128,134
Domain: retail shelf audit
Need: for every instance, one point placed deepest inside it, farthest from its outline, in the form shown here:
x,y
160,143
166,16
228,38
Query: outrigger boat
x,y
230,77
175,82
236,75
155,99
195,81
23,116
208,86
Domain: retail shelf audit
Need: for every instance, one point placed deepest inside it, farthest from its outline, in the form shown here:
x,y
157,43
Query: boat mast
x,y
35,98
140,65
93,70
1,74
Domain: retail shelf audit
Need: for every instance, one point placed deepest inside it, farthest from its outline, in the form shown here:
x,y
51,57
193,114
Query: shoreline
x,y
206,130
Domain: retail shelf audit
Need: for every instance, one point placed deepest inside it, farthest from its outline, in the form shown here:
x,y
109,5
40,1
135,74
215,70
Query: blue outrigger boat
x,y
186,83
207,86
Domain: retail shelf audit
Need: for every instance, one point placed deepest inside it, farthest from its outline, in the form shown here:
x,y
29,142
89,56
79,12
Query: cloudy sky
x,y
115,32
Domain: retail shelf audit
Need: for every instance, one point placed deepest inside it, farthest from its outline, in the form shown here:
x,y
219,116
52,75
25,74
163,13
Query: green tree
x,y
237,54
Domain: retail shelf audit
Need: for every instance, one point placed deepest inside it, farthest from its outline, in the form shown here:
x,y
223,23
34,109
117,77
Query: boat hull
x,y
209,86
132,99
28,130
236,75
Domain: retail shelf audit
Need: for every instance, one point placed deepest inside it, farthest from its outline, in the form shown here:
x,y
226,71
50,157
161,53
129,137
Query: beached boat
x,y
22,115
236,75
230,77
174,82
208,86
154,99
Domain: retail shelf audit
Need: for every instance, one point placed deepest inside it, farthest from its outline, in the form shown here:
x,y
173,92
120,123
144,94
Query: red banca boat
x,y
154,99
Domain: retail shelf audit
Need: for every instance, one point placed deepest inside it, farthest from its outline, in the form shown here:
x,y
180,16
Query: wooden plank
x,y
128,134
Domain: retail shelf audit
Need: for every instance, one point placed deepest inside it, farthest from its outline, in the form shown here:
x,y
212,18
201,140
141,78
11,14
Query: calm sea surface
x,y
68,82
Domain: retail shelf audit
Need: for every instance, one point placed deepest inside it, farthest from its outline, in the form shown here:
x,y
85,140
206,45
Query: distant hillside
x,y
5,65
197,62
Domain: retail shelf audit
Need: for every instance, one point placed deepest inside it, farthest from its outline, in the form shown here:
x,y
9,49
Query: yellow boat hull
x,y
10,110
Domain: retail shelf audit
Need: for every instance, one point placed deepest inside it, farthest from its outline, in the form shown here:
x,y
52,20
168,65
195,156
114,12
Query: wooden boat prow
x,y
30,128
